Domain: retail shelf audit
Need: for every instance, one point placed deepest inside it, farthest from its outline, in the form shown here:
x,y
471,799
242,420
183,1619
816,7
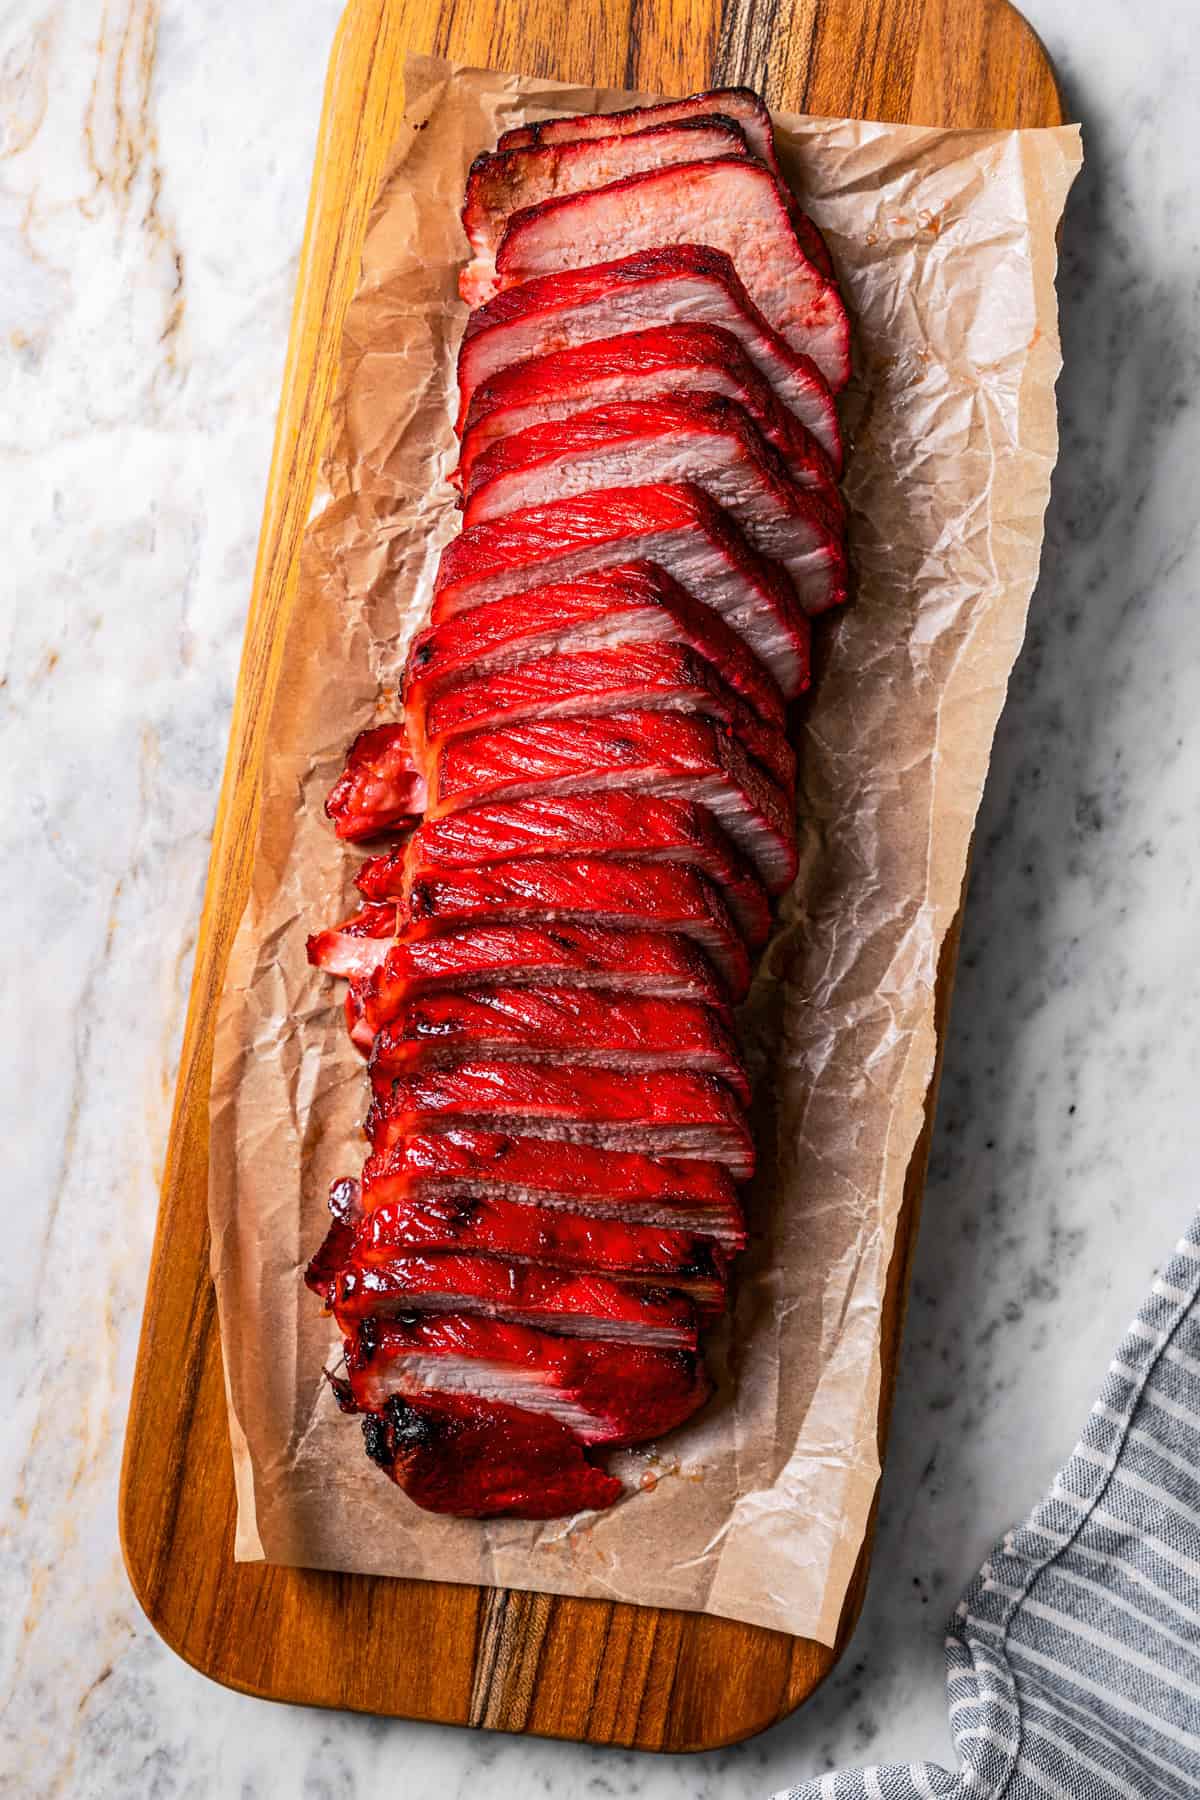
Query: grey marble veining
x,y
152,191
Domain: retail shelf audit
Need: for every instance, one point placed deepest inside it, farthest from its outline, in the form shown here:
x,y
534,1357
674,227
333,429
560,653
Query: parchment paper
x,y
945,245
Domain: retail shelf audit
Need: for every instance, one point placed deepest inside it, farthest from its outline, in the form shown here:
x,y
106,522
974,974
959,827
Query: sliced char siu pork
x,y
586,807
641,1257
501,182
581,890
686,284
674,525
705,441
603,1392
615,823
379,788
660,753
677,1114
658,963
358,945
645,1254
461,1163
738,104
520,1293
636,603
482,1459
624,678
544,891
552,1024
567,889
642,365
636,1283
727,204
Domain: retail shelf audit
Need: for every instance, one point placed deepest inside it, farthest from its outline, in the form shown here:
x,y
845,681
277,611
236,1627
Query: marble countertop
x,y
145,289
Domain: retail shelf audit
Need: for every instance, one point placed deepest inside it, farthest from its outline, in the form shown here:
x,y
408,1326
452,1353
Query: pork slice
x,y
639,1256
379,788
699,439
739,104
641,365
606,892
357,946
501,182
468,1164
640,962
553,1023
603,1392
476,1458
625,678
665,754
587,1306
675,525
628,604
490,1226
683,284
614,823
726,204
676,1114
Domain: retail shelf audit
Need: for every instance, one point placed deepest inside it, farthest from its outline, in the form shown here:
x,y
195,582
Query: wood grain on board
x,y
509,1661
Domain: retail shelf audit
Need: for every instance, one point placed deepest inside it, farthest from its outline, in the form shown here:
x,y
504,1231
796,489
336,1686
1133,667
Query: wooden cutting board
x,y
510,1661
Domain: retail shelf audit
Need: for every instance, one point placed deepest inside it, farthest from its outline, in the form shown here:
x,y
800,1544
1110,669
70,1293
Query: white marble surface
x,y
154,164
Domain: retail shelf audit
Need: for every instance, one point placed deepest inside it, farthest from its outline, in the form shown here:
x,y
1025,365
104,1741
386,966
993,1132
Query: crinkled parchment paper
x,y
945,245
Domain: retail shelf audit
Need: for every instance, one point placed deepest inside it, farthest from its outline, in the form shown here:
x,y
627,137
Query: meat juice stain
x,y
649,1479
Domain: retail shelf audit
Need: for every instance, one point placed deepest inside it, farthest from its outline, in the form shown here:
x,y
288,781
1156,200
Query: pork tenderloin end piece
x,y
355,948
379,788
481,1459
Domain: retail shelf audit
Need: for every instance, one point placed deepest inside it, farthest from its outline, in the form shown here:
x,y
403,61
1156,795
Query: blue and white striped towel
x,y
1074,1656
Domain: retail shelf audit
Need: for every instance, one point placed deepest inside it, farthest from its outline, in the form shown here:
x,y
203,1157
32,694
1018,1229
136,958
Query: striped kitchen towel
x,y
1074,1656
